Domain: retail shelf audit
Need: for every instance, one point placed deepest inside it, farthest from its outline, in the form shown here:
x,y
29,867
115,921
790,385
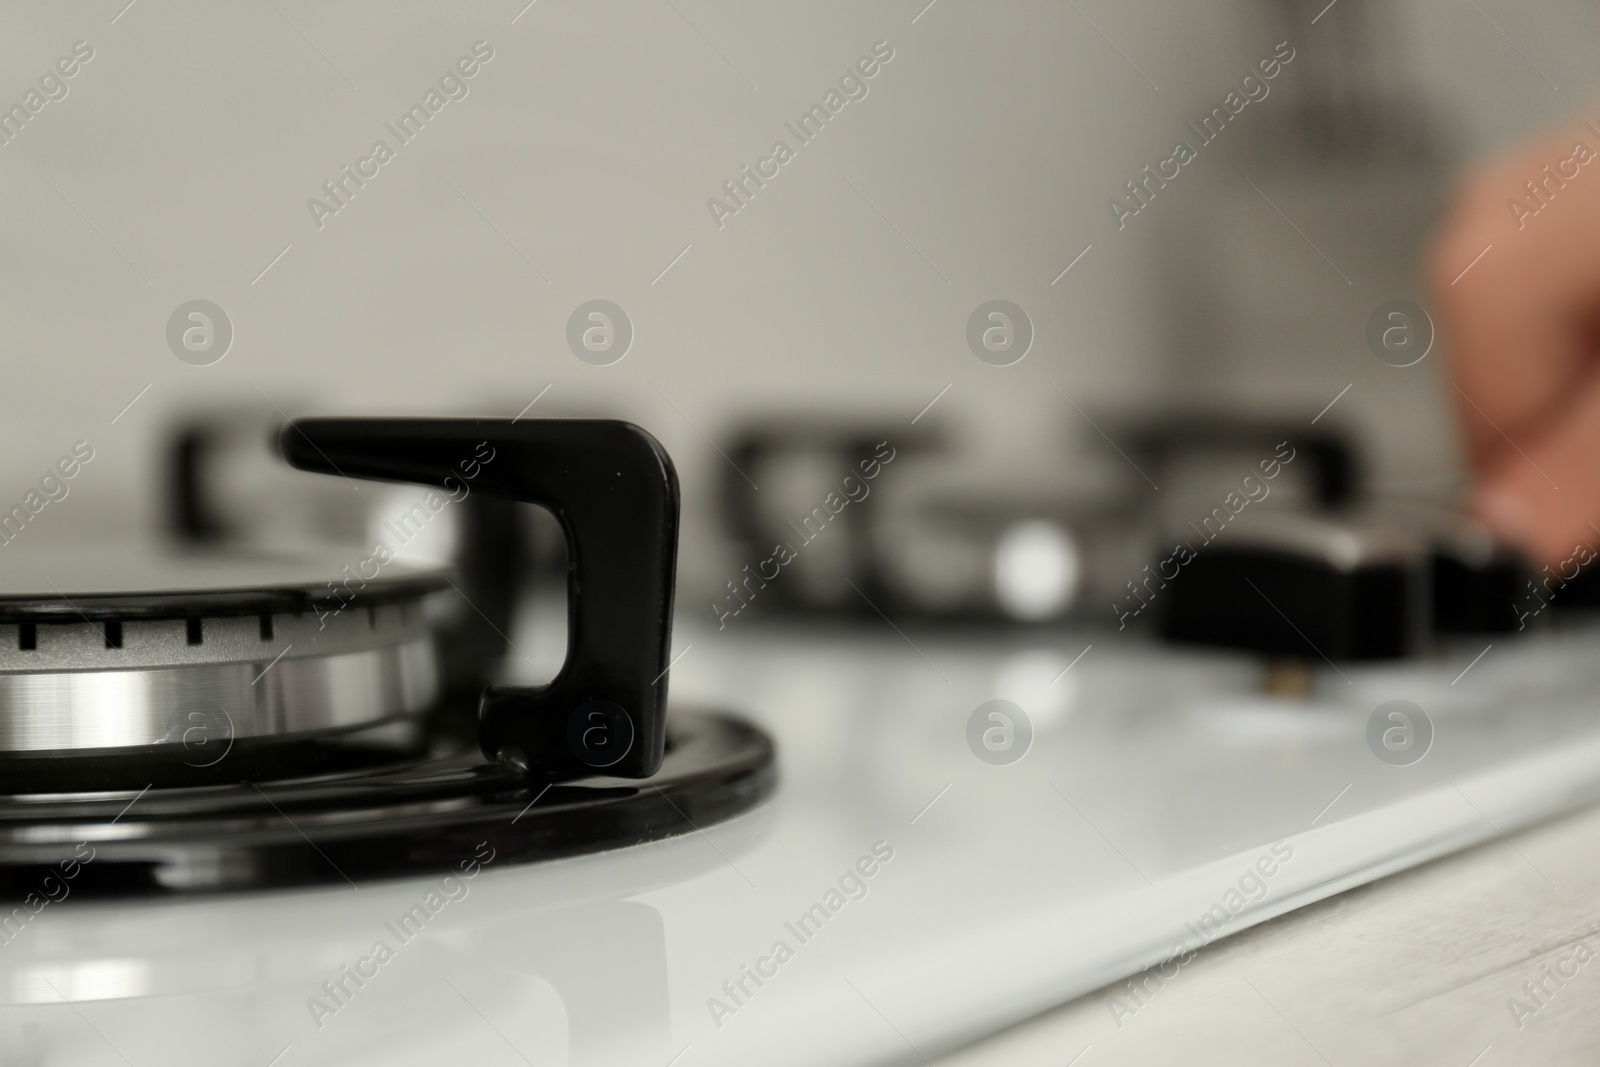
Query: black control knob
x,y
1479,584
1297,585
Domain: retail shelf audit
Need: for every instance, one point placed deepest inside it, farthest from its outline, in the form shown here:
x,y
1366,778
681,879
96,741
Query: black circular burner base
x,y
414,818
184,769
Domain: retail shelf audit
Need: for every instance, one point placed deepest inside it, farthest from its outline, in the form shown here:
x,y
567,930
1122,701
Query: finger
x,y
1515,295
1545,495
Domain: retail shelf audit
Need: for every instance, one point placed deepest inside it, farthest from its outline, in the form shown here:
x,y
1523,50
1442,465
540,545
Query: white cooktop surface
x,y
1165,800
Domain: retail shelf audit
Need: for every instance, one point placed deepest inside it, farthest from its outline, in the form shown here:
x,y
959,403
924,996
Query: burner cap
x,y
100,582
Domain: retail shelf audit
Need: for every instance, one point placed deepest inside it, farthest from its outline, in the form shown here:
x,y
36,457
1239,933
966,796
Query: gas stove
x,y
268,811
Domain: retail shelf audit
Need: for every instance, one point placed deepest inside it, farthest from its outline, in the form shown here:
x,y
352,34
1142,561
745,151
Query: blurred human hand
x,y
1522,328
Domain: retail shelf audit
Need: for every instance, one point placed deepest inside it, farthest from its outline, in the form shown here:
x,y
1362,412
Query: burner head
x,y
258,712
140,666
